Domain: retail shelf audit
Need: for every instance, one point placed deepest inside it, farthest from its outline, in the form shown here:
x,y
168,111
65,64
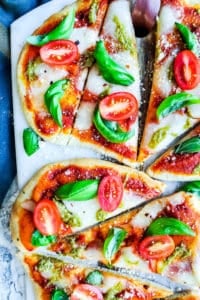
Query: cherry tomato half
x,y
86,291
47,217
118,106
110,192
156,247
187,70
59,52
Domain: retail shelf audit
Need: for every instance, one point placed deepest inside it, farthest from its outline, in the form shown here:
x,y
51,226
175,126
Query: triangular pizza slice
x,y
56,279
53,66
66,197
107,118
174,104
181,162
162,237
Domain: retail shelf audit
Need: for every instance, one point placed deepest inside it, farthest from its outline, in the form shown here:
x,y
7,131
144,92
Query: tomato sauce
x,y
178,163
141,188
26,228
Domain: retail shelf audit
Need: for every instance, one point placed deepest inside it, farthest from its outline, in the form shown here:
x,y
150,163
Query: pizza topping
x,y
95,278
39,239
46,217
158,136
118,106
169,226
101,215
191,145
121,34
30,141
110,192
179,253
188,37
175,102
156,247
114,291
52,99
109,68
110,130
68,217
92,16
59,52
79,190
62,31
113,242
59,295
187,70
192,187
86,291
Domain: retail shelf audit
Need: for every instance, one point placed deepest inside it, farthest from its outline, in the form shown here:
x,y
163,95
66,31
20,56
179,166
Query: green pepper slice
x,y
109,68
110,130
169,226
62,31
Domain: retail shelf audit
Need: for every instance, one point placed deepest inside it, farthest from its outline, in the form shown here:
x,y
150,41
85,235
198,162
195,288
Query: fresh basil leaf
x,y
52,99
79,190
192,187
191,145
39,239
95,278
188,37
175,102
169,226
59,295
62,31
113,242
30,141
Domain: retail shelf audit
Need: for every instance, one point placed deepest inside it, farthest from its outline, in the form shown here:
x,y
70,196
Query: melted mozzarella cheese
x,y
145,216
168,16
84,116
128,259
85,36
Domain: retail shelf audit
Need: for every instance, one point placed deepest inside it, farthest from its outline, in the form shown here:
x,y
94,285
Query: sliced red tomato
x,y
187,70
110,192
46,217
156,247
118,106
59,52
87,292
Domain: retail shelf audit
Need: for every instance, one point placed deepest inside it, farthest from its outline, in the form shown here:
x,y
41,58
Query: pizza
x,y
107,118
181,162
161,237
56,279
76,194
175,96
53,66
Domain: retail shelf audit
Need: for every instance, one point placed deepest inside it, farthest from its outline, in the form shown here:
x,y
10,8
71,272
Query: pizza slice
x,y
181,162
107,118
53,66
175,95
162,237
56,279
65,197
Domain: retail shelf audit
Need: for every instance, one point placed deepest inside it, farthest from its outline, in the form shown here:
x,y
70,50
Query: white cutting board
x,y
28,165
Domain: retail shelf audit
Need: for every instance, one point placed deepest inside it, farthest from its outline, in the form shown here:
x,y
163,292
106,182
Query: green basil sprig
x,y
192,187
39,239
62,31
169,226
175,102
79,190
95,278
30,141
109,68
110,130
188,37
59,295
113,242
52,99
191,145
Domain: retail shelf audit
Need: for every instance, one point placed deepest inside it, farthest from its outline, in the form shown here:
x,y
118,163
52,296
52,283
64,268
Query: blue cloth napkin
x,y
9,11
